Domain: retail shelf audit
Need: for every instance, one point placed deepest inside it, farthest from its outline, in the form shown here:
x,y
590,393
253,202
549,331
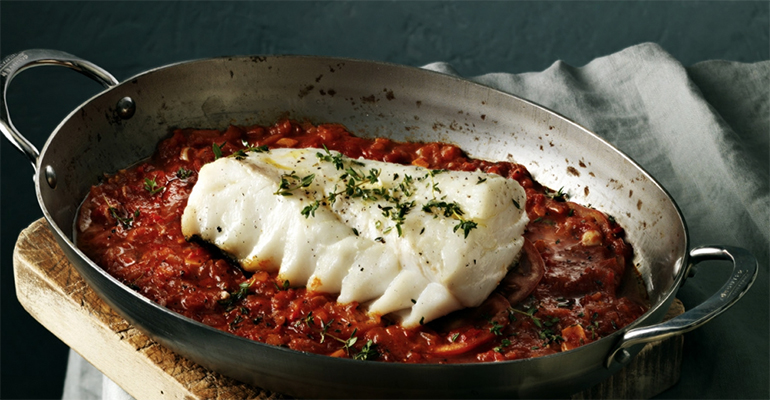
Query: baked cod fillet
x,y
402,240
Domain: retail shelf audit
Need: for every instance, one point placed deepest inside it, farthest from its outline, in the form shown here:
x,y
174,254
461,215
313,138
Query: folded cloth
x,y
703,132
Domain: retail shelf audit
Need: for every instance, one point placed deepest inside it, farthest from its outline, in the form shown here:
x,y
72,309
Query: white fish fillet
x,y
351,247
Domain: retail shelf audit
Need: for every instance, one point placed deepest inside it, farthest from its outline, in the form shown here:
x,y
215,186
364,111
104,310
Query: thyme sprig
x,y
239,294
151,185
451,210
291,182
544,324
183,173
217,149
121,218
368,351
243,153
558,195
327,156
127,222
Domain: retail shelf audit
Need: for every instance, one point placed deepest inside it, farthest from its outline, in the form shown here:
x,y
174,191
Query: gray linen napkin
x,y
703,133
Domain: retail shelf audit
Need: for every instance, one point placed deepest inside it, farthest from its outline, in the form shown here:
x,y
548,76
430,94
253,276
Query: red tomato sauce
x,y
129,224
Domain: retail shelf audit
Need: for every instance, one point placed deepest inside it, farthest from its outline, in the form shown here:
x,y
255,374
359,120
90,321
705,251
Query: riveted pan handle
x,y
743,276
15,63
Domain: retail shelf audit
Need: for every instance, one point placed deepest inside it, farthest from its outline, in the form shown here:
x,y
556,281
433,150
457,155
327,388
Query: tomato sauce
x,y
565,291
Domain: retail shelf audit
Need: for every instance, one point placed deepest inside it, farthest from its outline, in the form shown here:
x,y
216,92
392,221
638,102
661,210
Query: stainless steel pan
x,y
123,124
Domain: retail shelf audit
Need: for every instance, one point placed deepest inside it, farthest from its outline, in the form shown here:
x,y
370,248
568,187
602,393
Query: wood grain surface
x,y
53,292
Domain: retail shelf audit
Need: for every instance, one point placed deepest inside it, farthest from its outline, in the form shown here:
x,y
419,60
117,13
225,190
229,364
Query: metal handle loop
x,y
743,276
15,63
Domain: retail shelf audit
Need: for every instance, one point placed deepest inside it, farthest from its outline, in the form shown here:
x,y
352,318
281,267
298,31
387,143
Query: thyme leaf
x,y
183,173
291,182
368,352
217,149
126,222
335,159
151,186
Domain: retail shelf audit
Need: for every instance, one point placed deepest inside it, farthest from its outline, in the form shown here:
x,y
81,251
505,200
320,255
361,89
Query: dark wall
x,y
475,37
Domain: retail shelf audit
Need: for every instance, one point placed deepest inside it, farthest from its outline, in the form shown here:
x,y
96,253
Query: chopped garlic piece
x,y
591,238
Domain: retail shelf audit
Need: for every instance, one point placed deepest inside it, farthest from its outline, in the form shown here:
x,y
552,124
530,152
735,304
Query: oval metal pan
x,y
371,99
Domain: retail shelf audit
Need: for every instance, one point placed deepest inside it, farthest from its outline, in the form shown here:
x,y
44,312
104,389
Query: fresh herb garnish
x,y
545,323
347,344
309,319
503,343
217,149
335,159
234,297
151,186
310,209
368,352
126,222
183,173
243,153
451,210
291,182
234,324
356,185
466,225
496,328
530,313
559,195
284,286
325,328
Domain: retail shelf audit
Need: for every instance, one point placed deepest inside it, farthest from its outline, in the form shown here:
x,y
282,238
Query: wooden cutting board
x,y
53,292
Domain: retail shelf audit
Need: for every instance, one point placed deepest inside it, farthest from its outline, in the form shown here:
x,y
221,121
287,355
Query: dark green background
x,y
475,37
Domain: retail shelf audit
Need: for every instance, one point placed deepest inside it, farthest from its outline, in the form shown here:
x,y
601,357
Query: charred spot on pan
x,y
112,117
331,92
418,103
369,99
389,94
304,92
231,74
318,79
258,59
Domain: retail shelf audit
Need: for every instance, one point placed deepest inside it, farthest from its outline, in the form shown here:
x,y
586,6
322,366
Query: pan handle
x,y
15,63
743,276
